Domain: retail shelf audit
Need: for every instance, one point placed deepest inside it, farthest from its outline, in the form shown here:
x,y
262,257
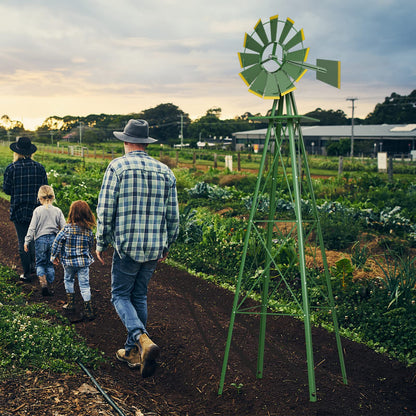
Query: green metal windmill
x,y
282,239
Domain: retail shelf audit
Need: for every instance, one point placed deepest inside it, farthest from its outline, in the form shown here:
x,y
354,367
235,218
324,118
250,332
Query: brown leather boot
x,y
70,304
44,285
149,354
88,311
132,357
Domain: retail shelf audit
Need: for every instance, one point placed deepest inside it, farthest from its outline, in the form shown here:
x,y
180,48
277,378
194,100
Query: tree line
x,y
168,123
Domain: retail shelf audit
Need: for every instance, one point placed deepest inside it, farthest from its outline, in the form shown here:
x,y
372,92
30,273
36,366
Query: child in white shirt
x,y
46,221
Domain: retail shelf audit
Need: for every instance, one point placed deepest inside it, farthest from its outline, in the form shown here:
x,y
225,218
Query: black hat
x,y
23,146
136,131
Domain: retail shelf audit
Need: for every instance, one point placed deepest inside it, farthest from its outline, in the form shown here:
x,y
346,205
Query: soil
x,y
188,319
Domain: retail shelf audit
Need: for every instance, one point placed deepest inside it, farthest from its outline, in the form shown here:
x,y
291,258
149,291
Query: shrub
x,y
339,229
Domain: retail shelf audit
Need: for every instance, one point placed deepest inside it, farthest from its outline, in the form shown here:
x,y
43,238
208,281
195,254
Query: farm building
x,y
395,139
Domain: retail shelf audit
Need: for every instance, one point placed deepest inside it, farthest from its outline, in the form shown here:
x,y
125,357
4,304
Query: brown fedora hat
x,y
23,146
136,131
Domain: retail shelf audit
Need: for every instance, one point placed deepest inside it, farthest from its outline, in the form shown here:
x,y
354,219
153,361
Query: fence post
x,y
194,159
340,165
390,169
229,162
215,161
238,162
177,158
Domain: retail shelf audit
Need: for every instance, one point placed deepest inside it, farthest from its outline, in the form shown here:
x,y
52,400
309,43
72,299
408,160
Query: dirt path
x,y
188,318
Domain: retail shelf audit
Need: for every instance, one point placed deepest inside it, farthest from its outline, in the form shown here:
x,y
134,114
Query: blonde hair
x,y
80,213
46,195
18,156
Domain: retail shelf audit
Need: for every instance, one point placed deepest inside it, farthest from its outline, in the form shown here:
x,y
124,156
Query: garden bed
x,y
188,318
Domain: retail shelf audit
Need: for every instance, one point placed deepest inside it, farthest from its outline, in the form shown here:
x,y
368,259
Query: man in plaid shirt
x,y
22,180
138,215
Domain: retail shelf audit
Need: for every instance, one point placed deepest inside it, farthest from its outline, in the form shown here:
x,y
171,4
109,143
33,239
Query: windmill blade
x,y
259,84
271,90
252,44
332,75
259,29
286,29
298,38
298,56
273,27
293,70
251,73
283,81
248,59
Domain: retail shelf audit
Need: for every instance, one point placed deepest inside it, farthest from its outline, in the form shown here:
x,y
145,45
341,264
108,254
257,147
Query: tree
x,y
13,126
339,148
396,109
210,125
165,122
329,117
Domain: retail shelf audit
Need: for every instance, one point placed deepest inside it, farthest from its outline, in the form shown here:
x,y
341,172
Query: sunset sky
x,y
81,57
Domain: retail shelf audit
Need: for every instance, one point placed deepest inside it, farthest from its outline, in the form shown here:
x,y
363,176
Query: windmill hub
x,y
272,57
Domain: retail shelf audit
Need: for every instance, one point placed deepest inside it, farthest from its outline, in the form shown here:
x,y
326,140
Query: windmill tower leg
x,y
243,260
302,262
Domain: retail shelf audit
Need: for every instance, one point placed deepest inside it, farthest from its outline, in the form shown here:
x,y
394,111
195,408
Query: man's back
x,y
22,180
137,208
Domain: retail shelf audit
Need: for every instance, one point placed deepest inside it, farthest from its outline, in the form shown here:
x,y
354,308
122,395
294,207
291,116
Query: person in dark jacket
x,y
22,180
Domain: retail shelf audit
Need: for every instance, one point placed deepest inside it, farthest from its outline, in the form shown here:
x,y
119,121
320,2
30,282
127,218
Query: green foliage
x,y
399,277
396,109
34,336
366,313
213,223
342,273
204,190
329,117
340,228
339,148
80,183
359,255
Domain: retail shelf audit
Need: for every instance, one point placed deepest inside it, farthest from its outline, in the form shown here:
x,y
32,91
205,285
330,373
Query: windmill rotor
x,y
274,59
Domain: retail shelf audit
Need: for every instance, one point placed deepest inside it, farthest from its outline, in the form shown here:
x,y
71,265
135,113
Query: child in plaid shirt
x,y
73,246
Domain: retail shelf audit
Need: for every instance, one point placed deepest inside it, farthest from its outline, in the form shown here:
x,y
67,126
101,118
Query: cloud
x,y
93,56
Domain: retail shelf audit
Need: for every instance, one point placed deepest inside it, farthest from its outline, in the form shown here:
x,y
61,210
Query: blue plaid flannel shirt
x,y
22,180
73,245
137,208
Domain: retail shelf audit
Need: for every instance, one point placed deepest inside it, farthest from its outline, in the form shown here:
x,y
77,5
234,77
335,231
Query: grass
x,y
33,336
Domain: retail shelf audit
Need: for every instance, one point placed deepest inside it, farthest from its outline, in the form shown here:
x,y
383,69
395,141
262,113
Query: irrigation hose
x,y
105,395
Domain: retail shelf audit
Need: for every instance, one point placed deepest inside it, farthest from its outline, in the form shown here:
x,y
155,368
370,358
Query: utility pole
x,y
181,133
80,132
352,125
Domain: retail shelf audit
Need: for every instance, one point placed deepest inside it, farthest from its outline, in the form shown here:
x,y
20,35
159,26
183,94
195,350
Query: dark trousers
x,y
27,259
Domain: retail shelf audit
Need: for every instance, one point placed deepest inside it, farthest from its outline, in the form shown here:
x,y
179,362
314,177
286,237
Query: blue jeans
x,y
129,281
83,280
44,266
